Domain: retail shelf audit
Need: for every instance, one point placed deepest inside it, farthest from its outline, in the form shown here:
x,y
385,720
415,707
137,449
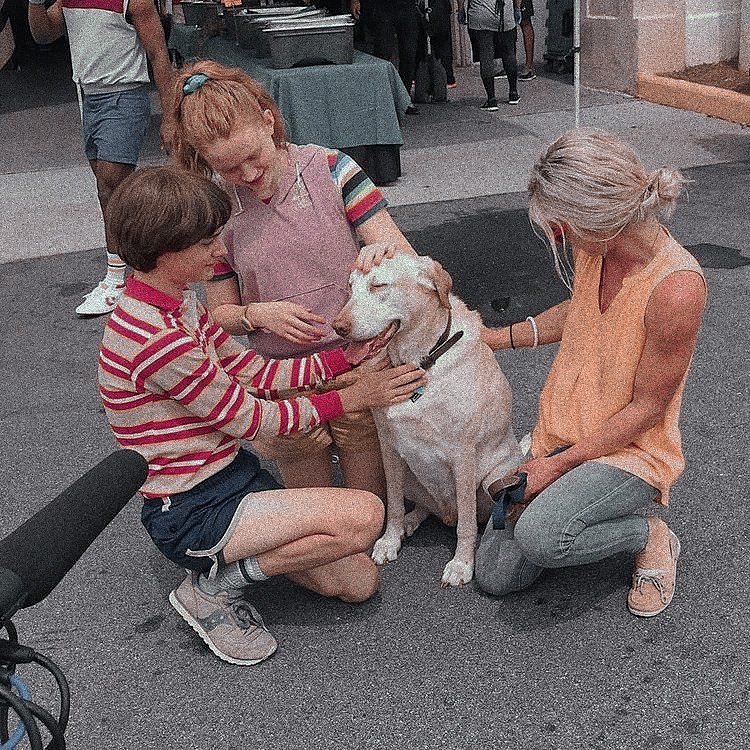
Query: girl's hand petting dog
x,y
288,320
383,385
373,255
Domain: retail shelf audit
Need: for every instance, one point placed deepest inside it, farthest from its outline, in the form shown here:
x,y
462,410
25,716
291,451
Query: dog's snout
x,y
342,325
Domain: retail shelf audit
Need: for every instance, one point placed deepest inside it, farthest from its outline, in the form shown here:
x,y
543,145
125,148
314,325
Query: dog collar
x,y
441,347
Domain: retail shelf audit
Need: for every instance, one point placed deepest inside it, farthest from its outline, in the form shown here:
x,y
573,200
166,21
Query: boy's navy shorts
x,y
191,528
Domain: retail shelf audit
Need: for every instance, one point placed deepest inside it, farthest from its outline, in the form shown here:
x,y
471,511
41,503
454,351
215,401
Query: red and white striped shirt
x,y
183,393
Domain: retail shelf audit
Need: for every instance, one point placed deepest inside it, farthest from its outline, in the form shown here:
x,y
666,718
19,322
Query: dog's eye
x,y
377,287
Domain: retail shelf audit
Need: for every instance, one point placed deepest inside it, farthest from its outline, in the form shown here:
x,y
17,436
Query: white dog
x,y
455,435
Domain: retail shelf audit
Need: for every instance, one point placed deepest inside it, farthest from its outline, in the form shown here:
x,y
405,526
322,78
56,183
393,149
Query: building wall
x,y
712,30
621,38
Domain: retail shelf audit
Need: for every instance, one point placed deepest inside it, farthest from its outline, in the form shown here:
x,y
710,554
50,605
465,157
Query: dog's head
x,y
390,295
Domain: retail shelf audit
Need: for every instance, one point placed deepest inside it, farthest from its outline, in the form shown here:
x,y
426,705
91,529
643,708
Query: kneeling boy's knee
x,y
361,588
367,521
357,586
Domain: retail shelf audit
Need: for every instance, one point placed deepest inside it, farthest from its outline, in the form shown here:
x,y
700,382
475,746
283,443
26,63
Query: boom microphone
x,y
38,554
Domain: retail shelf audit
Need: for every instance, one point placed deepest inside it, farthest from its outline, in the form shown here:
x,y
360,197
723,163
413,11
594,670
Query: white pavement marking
x,y
48,213
661,135
55,211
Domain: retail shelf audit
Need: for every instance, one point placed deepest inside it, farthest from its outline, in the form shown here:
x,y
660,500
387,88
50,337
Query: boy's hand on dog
x,y
384,385
288,320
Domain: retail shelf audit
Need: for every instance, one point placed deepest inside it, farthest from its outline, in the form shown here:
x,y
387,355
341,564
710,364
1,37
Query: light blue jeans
x,y
586,515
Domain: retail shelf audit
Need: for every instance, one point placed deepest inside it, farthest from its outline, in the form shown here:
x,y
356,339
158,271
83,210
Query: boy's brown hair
x,y
158,210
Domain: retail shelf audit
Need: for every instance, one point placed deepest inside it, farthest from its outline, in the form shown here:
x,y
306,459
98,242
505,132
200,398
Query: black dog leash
x,y
513,493
441,347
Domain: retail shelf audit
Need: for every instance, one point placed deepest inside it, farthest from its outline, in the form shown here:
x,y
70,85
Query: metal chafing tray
x,y
310,41
249,22
200,12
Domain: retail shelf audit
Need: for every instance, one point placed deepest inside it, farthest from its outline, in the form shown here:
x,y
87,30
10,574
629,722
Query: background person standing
x,y
485,19
394,22
111,44
527,30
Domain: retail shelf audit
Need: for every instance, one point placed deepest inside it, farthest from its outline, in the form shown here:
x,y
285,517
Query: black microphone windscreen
x,y
43,549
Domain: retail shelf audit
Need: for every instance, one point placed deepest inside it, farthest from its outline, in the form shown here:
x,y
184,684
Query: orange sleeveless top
x,y
593,375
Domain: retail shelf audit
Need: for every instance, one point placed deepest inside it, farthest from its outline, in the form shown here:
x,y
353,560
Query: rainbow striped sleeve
x,y
362,199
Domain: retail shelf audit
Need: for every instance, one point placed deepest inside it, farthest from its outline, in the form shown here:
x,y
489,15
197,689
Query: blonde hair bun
x,y
664,187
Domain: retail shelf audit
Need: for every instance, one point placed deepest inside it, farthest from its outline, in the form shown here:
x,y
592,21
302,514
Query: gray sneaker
x,y
231,627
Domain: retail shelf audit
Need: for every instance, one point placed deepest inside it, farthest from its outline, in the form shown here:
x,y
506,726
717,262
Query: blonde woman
x,y
606,448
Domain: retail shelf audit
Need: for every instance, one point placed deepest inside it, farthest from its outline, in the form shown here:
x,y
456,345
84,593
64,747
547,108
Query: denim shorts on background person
x,y
192,527
114,125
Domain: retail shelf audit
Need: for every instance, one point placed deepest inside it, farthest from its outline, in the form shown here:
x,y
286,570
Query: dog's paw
x,y
457,572
386,549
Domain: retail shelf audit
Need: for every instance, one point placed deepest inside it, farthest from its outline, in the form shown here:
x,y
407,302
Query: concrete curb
x,y
710,100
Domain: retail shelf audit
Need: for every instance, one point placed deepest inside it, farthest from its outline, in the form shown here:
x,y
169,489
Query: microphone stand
x,y
26,577
16,697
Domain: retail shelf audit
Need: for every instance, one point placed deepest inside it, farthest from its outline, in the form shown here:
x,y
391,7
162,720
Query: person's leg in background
x,y
408,27
527,31
355,440
486,49
383,32
114,126
306,470
442,41
108,176
364,36
15,12
508,56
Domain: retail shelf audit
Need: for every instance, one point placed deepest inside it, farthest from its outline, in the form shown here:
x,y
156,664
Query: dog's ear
x,y
442,281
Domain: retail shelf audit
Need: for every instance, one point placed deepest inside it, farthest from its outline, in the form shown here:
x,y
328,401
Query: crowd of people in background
x,y
399,30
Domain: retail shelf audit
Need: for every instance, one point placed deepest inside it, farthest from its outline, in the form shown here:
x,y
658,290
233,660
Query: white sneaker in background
x,y
102,299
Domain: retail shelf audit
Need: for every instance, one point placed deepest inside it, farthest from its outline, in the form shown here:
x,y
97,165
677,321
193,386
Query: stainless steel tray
x,y
309,24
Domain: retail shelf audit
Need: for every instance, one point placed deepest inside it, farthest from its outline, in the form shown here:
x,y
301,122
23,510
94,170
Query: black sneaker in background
x,y
513,97
529,75
489,106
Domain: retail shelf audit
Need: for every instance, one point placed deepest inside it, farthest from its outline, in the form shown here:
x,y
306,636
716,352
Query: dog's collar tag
x,y
417,394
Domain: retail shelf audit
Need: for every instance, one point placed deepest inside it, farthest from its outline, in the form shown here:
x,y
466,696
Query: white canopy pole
x,y
577,60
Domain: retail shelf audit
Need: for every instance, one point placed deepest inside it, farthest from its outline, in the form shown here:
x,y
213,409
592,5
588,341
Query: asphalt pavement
x,y
560,666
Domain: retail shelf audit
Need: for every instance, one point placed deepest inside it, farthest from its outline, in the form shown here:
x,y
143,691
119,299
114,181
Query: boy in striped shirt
x,y
183,393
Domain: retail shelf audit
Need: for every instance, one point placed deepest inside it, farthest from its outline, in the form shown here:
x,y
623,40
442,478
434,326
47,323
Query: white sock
x,y
234,576
115,269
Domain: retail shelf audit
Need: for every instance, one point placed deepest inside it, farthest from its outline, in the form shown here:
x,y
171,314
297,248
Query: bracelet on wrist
x,y
535,330
510,332
247,326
